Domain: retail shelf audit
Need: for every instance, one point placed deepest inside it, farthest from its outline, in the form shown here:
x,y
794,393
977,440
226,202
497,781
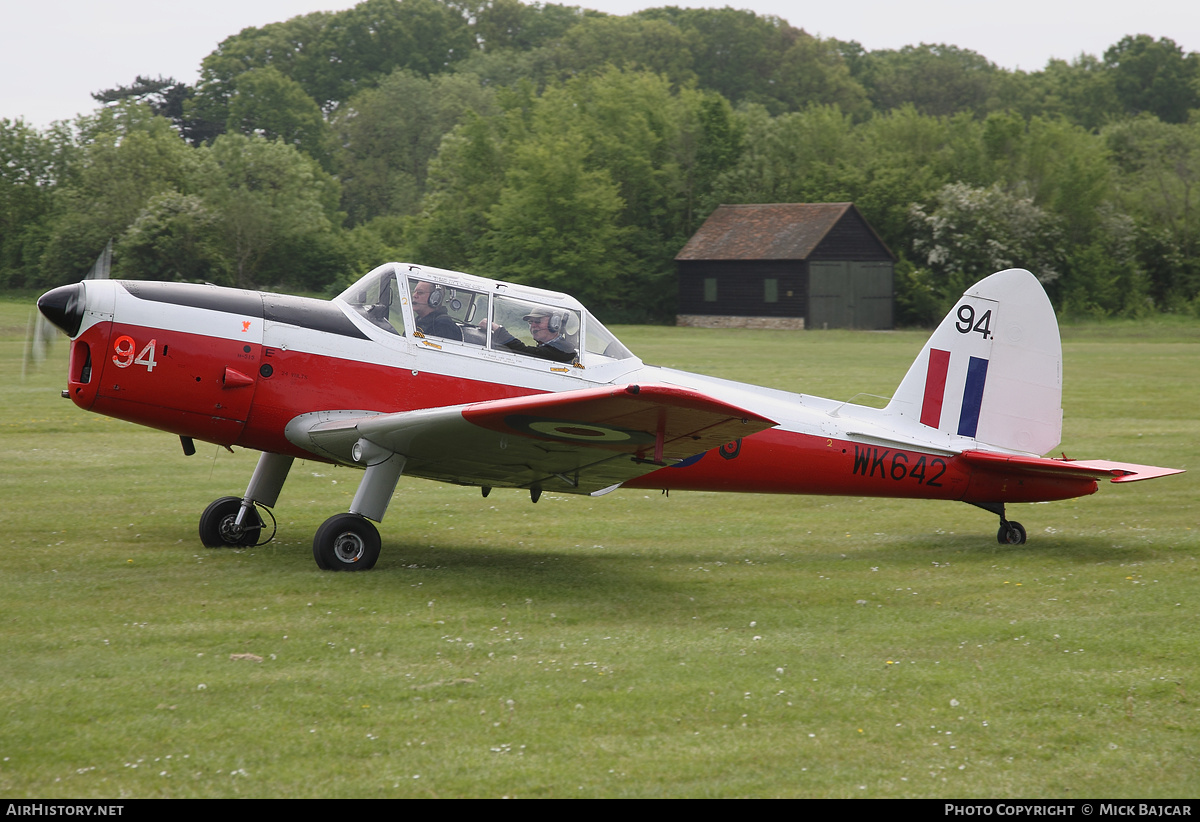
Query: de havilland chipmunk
x,y
453,377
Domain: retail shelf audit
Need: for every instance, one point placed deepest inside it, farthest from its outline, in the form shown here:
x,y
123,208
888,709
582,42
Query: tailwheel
x,y
219,528
1011,533
346,542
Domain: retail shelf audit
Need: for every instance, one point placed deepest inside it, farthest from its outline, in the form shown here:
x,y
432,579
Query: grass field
x,y
632,645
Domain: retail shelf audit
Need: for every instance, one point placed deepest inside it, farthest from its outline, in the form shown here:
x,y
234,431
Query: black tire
x,y
1012,533
217,528
346,542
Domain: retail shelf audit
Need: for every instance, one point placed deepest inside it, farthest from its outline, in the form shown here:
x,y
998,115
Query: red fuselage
x,y
236,374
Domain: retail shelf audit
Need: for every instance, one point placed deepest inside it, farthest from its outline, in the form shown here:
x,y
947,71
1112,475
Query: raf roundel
x,y
575,431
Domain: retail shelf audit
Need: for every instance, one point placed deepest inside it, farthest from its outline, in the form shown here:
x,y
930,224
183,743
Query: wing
x,y
583,441
1096,469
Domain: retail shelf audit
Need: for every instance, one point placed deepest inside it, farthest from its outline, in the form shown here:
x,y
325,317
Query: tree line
x,y
569,149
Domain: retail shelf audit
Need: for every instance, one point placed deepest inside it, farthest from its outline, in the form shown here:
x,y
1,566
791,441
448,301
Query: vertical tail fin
x,y
992,371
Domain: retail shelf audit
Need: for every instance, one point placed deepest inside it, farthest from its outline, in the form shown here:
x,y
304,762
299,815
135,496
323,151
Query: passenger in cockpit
x,y
548,327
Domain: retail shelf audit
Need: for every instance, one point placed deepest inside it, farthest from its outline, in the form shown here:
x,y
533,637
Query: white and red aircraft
x,y
478,382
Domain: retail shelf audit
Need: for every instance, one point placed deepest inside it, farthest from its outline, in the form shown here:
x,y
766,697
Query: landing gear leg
x,y
233,522
219,527
1011,532
349,542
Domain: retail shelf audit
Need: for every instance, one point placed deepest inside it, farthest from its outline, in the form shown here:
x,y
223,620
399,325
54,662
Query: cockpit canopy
x,y
424,302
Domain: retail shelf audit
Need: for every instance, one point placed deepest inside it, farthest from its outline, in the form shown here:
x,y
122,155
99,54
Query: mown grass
x,y
632,645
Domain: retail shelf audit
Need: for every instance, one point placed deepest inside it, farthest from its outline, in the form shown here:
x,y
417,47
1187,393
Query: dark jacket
x,y
438,323
558,349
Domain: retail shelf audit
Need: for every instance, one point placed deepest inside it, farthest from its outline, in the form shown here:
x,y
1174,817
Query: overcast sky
x,y
54,53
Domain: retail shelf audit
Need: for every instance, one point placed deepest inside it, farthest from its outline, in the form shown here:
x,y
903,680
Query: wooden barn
x,y
787,265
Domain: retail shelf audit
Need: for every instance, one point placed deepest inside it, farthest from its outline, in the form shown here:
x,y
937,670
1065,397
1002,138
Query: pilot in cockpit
x,y
432,318
548,327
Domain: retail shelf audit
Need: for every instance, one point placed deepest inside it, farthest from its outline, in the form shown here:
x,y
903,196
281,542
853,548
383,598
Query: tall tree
x,y
1159,183
126,156
266,195
176,237
764,60
936,79
30,166
166,97
515,26
555,225
1155,76
632,43
333,55
388,135
268,103
1082,91
288,47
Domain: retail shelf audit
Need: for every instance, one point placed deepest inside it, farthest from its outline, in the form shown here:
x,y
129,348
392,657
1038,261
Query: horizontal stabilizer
x,y
1096,469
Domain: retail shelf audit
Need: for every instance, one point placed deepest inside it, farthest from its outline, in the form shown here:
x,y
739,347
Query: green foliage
x,y
630,145
389,134
631,43
1105,277
269,198
935,79
919,300
426,109
1154,77
466,180
555,223
1159,179
764,60
268,103
1082,91
332,55
972,232
510,25
29,168
176,237
126,157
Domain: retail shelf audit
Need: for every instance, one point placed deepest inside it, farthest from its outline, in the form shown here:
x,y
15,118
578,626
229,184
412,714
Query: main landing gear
x,y
1011,532
344,542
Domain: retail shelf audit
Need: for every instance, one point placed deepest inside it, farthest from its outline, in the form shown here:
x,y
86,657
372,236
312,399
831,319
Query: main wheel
x,y
1011,533
346,542
219,528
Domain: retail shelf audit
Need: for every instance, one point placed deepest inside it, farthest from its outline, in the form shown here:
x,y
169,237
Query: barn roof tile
x,y
778,231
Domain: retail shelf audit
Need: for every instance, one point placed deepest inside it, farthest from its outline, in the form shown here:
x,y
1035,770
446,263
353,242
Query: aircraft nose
x,y
64,306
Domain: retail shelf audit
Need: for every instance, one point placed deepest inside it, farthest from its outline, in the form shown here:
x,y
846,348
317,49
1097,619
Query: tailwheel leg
x,y
1011,532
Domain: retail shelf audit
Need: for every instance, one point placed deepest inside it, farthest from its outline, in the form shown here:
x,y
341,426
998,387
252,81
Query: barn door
x,y
870,305
827,285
